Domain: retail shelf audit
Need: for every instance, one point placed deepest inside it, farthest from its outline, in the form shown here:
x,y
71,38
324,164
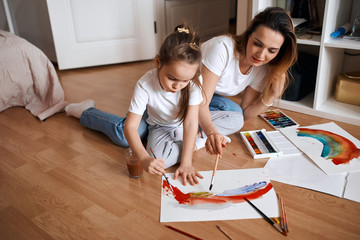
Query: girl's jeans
x,y
111,125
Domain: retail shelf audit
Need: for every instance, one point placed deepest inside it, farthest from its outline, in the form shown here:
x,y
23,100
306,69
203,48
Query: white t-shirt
x,y
218,56
162,106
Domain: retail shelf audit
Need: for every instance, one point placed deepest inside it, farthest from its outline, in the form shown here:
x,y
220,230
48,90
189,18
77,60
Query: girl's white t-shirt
x,y
162,106
219,57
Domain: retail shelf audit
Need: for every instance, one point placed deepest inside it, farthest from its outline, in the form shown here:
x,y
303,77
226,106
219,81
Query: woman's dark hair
x,y
182,45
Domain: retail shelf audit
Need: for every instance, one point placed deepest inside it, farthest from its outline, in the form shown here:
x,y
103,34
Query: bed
x,y
28,78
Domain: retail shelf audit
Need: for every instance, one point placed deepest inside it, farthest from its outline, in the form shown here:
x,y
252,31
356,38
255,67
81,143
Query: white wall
x,y
244,8
31,20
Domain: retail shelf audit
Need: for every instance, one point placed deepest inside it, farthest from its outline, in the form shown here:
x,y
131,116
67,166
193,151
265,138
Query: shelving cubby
x,y
331,61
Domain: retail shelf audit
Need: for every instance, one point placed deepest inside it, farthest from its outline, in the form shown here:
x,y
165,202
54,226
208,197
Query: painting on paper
x,y
332,148
225,201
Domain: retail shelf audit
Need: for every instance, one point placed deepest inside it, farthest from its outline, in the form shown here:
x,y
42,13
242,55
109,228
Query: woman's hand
x,y
188,173
214,143
254,102
154,165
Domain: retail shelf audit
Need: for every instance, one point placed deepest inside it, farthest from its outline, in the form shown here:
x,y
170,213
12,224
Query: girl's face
x,y
263,45
176,75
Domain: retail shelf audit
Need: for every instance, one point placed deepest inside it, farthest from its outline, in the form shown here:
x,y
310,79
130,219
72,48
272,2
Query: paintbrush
x,y
284,214
214,171
163,174
271,222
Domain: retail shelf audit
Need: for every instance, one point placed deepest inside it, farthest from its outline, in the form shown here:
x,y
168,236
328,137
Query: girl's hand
x,y
154,165
189,174
214,143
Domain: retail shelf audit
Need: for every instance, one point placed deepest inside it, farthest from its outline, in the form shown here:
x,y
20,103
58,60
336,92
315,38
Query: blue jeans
x,y
226,115
220,103
111,125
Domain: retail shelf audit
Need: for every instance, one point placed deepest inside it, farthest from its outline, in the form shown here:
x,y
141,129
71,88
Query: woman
x,y
255,63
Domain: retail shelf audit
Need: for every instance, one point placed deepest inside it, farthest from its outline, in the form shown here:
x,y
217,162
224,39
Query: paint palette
x,y
277,119
259,144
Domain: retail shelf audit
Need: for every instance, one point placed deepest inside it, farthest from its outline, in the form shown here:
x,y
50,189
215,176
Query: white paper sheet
x,y
302,172
313,147
352,187
173,211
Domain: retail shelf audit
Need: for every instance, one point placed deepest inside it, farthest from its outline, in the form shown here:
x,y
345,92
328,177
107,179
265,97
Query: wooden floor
x,y
59,180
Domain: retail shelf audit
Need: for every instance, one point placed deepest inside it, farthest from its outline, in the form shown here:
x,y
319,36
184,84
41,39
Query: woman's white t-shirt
x,y
162,106
219,57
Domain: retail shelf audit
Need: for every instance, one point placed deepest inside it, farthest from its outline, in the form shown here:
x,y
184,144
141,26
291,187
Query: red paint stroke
x,y
206,197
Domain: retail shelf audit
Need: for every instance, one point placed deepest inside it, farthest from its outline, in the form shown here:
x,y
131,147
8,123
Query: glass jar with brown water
x,y
133,164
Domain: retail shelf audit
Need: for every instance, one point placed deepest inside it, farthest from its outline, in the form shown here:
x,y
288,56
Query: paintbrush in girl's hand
x,y
163,174
214,171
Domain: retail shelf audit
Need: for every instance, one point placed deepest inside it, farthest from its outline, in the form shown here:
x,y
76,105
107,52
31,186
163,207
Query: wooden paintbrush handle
x,y
216,163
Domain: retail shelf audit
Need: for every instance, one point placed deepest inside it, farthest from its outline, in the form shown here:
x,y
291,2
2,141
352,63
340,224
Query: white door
x,y
97,32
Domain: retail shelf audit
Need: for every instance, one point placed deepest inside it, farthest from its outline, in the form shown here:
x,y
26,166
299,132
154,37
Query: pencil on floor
x,y
182,232
225,233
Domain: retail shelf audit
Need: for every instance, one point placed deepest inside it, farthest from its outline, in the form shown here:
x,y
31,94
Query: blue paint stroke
x,y
244,189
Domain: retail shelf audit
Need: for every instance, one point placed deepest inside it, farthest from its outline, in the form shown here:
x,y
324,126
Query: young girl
x,y
255,64
170,94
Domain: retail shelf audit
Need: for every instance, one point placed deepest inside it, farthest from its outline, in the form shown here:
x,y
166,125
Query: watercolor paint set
x,y
277,119
260,144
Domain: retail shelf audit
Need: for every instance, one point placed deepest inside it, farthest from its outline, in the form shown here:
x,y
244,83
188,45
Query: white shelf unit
x,y
331,51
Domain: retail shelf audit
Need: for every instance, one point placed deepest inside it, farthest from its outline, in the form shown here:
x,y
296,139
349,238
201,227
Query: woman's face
x,y
176,75
263,45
